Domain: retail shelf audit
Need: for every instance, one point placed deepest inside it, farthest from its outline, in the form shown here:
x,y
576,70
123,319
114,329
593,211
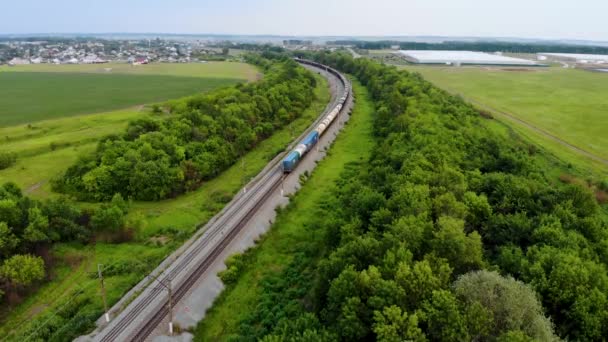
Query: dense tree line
x,y
29,227
449,232
205,134
485,46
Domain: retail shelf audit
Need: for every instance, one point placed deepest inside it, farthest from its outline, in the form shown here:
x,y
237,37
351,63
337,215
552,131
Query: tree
x,y
10,213
442,315
351,324
464,252
512,304
12,189
478,210
120,203
393,325
8,240
22,270
7,159
421,280
108,219
37,229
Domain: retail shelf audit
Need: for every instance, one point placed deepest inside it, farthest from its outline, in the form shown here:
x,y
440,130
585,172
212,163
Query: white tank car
x,y
328,119
300,149
321,128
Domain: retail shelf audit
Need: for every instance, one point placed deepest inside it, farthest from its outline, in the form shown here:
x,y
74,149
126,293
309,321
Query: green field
x,y
569,104
292,229
27,97
166,224
207,70
47,147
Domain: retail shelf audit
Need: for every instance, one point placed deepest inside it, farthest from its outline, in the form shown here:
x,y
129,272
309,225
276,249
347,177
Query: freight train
x,y
293,158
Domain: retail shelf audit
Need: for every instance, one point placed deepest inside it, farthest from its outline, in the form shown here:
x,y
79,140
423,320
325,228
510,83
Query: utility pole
x,y
170,309
103,293
170,302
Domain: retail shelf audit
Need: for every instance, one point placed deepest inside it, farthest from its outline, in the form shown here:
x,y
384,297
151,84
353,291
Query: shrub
x,y
7,159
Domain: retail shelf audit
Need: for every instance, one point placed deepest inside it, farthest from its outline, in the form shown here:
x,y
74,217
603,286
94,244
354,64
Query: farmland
x,y
32,93
568,104
207,70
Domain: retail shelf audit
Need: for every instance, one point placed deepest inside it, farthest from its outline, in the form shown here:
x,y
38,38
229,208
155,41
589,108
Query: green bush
x,y
7,159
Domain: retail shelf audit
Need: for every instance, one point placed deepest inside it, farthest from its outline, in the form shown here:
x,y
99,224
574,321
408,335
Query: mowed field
x,y
32,93
207,70
567,103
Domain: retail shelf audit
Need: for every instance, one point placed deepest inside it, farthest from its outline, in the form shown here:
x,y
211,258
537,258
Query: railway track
x,y
148,310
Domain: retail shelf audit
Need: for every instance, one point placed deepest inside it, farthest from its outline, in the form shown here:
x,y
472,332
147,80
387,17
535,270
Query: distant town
x,y
99,51
143,50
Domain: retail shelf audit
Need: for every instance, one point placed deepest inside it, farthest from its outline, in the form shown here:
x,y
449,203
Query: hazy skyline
x,y
558,19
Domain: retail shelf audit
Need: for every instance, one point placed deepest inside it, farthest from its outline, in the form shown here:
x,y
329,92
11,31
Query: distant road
x,y
354,53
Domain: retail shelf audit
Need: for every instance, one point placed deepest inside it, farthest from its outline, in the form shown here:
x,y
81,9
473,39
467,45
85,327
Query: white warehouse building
x,y
462,58
576,57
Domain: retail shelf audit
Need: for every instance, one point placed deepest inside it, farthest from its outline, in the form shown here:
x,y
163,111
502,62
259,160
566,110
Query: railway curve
x,y
146,305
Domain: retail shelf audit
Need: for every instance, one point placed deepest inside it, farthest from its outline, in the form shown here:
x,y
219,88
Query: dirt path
x,y
528,125
35,187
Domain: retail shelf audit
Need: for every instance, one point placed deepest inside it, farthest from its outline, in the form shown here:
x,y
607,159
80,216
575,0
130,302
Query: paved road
x,y
198,260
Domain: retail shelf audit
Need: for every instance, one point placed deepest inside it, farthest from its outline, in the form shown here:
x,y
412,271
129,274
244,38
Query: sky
x,y
550,19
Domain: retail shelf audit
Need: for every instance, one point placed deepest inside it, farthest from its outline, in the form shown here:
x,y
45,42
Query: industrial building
x,y
576,57
458,58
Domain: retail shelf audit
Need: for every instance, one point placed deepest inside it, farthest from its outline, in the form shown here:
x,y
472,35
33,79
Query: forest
x,y
485,46
449,232
162,157
29,228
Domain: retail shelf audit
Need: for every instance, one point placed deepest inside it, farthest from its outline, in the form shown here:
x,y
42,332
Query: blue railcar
x,y
290,162
310,140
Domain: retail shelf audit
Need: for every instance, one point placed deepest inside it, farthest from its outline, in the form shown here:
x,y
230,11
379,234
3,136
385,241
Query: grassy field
x,y
46,148
277,247
27,97
207,70
569,104
166,225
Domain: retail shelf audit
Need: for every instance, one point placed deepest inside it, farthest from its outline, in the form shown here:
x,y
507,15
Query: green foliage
x,y
511,305
157,159
234,265
22,270
392,325
441,198
7,159
29,227
443,317
36,96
